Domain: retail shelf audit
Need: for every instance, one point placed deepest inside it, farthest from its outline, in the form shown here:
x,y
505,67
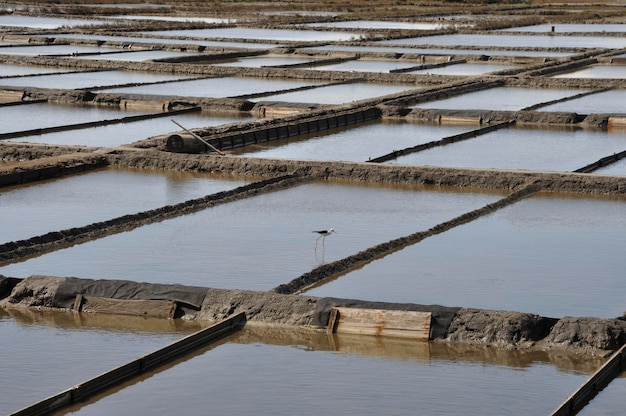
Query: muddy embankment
x,y
455,325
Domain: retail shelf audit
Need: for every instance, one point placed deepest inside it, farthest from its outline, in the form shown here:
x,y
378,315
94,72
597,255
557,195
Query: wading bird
x,y
323,234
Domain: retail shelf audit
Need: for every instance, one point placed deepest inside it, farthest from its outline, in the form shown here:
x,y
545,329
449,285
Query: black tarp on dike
x,y
128,290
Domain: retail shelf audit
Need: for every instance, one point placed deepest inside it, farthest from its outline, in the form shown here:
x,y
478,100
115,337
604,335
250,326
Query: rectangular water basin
x,y
355,144
261,242
88,80
597,72
8,70
138,55
13,20
277,35
52,115
257,62
571,28
436,51
607,102
362,65
523,148
125,133
56,50
552,255
509,41
53,351
340,94
500,99
155,40
53,205
215,87
465,69
353,375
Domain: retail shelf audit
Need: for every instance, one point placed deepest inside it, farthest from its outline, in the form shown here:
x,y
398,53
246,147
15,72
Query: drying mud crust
x,y
284,305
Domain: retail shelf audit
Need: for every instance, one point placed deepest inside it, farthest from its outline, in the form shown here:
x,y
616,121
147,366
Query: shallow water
x,y
519,148
436,51
53,351
215,87
601,103
15,70
349,382
47,50
379,24
126,133
261,242
355,144
541,255
366,66
508,41
570,28
12,20
464,69
89,80
277,35
597,72
137,56
50,115
30,210
257,62
500,98
155,40
339,94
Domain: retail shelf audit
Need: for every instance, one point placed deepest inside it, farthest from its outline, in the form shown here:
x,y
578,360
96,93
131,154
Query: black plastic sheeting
x,y
128,290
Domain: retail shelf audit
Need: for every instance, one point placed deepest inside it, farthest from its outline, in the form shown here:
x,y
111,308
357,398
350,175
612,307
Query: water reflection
x,y
305,365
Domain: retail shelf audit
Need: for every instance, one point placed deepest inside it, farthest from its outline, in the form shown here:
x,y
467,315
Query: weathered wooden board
x,y
381,322
152,308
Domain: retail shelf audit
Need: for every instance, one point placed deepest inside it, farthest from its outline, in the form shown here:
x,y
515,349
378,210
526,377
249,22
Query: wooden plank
x,y
153,308
380,322
598,381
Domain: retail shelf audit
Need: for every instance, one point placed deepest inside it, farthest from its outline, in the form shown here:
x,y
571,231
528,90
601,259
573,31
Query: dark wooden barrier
x,y
446,140
134,368
605,161
266,134
599,380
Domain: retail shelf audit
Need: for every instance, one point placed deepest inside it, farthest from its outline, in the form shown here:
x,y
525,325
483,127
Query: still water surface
x,y
155,40
51,115
550,255
436,51
464,69
53,351
519,148
257,243
261,34
30,210
508,41
501,98
613,101
340,94
216,87
302,377
89,79
598,72
126,133
354,144
16,70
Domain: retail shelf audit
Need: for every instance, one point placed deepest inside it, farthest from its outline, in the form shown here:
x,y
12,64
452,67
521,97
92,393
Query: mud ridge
x,y
454,325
